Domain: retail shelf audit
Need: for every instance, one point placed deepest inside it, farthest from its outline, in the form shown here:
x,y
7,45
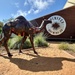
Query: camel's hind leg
x,y
4,42
31,40
23,40
6,46
7,34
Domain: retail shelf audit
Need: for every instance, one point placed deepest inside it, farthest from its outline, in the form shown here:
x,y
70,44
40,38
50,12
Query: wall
x,y
63,24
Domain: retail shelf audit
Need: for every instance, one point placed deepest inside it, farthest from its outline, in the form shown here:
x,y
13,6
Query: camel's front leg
x,y
23,40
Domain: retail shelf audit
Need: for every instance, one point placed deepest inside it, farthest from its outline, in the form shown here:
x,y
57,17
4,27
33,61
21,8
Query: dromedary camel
x,y
21,26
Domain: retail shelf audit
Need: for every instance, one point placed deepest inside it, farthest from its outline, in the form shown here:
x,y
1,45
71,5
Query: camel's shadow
x,y
40,63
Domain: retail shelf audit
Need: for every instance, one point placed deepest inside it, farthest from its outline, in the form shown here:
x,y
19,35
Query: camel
x,y
23,27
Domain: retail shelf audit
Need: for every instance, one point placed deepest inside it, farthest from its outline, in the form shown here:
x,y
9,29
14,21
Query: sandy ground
x,y
50,61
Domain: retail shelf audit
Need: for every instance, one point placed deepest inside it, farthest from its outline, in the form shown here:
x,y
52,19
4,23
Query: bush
x,y
27,44
0,30
15,42
67,46
1,25
64,46
72,47
40,41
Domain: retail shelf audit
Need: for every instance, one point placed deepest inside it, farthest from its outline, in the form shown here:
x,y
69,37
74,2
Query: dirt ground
x,y
50,61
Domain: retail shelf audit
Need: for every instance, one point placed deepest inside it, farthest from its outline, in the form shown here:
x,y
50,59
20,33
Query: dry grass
x,y
67,46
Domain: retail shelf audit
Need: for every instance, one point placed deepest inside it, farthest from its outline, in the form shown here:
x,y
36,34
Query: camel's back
x,y
20,18
24,23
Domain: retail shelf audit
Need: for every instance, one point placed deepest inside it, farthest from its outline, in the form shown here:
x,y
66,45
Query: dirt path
x,y
50,61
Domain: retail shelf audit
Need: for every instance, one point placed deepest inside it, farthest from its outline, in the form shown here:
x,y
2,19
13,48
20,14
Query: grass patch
x,y
67,46
27,44
14,42
64,46
39,41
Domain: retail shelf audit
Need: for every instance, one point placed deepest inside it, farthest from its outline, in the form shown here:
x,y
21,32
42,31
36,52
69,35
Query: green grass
x,y
27,44
67,46
14,42
39,41
64,46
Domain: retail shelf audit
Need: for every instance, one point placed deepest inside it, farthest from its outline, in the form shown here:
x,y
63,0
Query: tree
x,y
1,25
6,20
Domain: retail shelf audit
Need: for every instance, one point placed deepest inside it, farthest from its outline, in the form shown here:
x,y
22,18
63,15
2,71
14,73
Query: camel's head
x,y
42,26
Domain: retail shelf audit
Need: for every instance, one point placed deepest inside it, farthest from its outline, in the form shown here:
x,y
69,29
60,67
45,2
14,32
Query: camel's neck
x,y
42,26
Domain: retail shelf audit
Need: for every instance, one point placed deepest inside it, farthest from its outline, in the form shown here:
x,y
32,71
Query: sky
x,y
30,9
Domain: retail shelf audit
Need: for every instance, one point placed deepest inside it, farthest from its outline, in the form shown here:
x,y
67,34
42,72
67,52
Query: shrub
x,y
27,44
72,47
64,46
15,42
40,41
67,46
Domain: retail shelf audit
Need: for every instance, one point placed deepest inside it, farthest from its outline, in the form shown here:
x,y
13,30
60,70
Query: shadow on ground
x,y
39,63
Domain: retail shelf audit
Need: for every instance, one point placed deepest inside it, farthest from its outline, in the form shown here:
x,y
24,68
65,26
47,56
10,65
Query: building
x,y
63,23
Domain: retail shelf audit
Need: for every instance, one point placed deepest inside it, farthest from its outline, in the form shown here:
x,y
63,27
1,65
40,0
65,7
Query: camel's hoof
x,y
10,55
20,52
35,52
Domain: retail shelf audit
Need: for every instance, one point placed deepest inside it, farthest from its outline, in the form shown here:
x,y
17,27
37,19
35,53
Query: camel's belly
x,y
18,32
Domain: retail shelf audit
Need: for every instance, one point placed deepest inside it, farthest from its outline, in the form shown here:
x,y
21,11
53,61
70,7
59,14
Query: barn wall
x,y
68,15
